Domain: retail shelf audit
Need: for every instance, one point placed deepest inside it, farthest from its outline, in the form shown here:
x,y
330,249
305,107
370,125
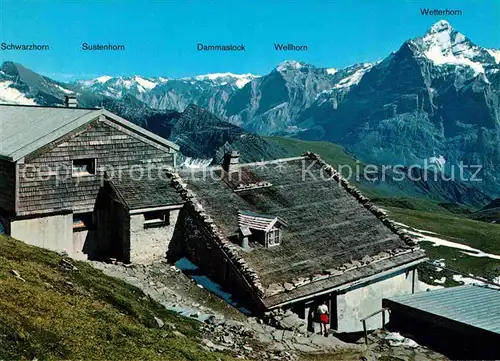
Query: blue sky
x,y
161,36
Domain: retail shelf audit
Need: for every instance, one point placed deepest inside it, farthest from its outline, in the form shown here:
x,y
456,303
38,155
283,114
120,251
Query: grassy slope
x,y
82,314
455,228
332,153
422,214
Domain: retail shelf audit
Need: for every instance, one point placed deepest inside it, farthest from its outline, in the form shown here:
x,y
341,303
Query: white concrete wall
x,y
150,244
79,239
360,302
53,232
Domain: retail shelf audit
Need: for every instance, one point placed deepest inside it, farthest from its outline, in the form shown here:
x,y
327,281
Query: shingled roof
x,y
138,191
329,229
25,129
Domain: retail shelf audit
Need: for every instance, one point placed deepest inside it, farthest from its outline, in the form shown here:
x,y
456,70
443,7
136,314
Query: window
x,y
273,237
83,222
83,166
156,219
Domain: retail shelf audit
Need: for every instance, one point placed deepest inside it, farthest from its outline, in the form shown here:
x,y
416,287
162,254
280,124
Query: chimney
x,y
244,233
231,161
70,101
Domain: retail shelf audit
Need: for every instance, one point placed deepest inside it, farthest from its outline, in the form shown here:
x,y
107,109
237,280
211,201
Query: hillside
x,y
489,213
202,135
468,246
56,312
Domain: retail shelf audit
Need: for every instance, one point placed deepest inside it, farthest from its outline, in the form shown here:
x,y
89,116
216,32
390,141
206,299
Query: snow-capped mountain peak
x,y
289,65
103,79
440,26
223,78
444,45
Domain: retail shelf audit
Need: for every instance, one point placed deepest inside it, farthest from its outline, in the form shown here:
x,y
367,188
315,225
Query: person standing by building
x,y
323,319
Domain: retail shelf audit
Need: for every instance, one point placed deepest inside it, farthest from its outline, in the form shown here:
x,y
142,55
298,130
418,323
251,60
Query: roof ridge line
x,y
271,161
46,106
259,163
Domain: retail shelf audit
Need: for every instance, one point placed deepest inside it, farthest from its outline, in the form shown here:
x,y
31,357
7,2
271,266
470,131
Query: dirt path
x,y
226,329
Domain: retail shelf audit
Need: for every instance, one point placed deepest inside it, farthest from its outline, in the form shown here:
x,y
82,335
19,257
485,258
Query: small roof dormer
x,y
265,229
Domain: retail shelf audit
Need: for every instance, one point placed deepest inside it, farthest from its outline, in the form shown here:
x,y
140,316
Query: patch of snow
x,y
419,233
415,229
422,286
441,48
289,64
145,83
12,95
440,161
323,92
195,163
354,78
331,71
445,243
293,129
439,263
124,82
467,280
186,265
395,339
494,53
64,90
240,83
113,93
102,79
441,280
239,79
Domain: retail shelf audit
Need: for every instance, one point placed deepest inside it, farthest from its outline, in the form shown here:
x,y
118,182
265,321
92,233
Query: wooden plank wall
x,y
46,183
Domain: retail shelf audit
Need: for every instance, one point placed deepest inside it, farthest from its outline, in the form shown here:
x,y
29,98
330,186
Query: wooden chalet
x,y
53,162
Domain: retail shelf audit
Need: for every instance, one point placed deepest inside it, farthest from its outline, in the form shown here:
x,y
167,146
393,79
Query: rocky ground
x,y
279,336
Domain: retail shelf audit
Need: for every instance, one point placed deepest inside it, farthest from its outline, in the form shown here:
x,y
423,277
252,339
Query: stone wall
x,y
364,300
212,260
210,250
150,244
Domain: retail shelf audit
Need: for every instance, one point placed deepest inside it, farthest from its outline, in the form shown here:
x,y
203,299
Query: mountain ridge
x,y
437,96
